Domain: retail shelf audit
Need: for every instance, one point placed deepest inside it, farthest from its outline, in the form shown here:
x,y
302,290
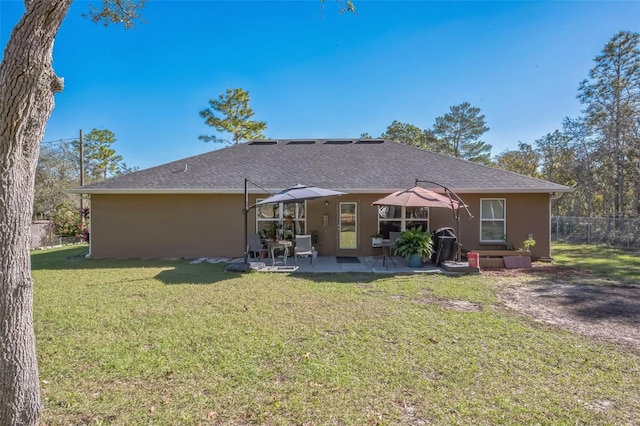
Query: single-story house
x,y
193,207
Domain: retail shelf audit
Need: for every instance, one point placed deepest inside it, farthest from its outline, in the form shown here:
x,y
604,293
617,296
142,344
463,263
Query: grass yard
x,y
618,265
128,342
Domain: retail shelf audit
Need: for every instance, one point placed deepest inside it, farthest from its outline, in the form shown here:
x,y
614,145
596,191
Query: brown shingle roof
x,y
366,165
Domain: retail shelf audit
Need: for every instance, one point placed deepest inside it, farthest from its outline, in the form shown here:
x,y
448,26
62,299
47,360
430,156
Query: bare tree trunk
x,y
27,86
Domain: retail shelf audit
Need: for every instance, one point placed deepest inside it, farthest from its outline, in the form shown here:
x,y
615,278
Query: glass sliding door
x,y
348,226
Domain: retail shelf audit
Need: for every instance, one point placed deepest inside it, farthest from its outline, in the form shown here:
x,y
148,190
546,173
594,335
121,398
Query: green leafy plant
x,y
528,244
414,241
66,220
508,245
315,237
271,232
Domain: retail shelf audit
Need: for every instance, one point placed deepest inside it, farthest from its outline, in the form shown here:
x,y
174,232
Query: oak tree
x,y
27,87
28,84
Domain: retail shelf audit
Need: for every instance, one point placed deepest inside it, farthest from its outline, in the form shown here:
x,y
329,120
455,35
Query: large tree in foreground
x,y
232,114
27,86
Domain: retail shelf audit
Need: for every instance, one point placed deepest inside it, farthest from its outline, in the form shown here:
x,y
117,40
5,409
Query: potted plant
x,y
413,244
270,233
528,244
376,240
315,239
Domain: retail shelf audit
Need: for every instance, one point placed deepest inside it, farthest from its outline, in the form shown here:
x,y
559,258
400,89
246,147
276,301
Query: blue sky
x,y
313,73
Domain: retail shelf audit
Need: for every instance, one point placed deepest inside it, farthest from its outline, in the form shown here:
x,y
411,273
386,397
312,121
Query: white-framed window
x,y
493,220
281,220
398,219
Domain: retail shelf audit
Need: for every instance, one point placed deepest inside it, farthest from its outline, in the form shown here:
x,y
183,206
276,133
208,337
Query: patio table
x,y
386,253
282,245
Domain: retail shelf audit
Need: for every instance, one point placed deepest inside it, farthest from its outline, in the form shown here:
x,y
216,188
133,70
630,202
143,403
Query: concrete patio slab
x,y
366,264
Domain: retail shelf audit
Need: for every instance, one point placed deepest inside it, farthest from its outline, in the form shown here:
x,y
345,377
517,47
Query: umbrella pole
x,y
459,254
246,222
456,213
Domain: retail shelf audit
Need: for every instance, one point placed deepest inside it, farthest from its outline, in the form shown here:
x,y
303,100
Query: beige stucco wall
x,y
159,226
193,226
526,214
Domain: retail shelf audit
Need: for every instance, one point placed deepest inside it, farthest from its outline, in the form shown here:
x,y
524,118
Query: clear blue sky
x,y
313,73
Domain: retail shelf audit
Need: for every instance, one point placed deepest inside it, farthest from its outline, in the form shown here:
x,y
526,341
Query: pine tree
x,y
231,113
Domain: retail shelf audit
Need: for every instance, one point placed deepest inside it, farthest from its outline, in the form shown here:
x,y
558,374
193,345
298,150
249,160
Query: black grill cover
x,y
445,245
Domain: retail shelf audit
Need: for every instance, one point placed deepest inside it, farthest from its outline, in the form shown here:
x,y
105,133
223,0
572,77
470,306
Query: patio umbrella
x,y
418,197
422,197
296,193
299,193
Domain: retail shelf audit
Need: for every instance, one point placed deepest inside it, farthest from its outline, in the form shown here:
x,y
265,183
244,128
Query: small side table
x,y
279,245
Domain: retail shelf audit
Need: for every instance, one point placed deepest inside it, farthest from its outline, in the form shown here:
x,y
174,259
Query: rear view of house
x,y
194,207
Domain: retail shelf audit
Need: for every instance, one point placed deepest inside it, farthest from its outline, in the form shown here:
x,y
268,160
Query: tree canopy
x,y
611,96
597,153
524,160
459,132
456,133
232,114
100,158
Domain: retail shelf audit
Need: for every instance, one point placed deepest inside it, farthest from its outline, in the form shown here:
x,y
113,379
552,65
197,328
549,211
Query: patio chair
x,y
303,248
255,246
393,236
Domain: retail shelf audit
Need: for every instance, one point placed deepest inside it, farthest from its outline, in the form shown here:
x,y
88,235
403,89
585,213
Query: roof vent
x,y
338,142
264,142
370,141
302,142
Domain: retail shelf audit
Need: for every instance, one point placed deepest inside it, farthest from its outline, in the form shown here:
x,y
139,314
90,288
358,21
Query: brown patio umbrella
x,y
418,197
422,197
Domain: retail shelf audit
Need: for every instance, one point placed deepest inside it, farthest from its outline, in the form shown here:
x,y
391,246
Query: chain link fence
x,y
42,236
596,230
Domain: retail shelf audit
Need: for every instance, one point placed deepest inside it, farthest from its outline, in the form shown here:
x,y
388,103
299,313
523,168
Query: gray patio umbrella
x,y
296,193
299,193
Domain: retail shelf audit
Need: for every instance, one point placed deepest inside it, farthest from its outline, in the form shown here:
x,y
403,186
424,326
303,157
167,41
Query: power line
x,y
61,140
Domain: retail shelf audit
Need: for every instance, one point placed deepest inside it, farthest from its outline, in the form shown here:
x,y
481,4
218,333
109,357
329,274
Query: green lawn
x,y
616,265
170,343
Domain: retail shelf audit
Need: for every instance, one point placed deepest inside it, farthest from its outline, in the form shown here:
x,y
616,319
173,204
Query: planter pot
x,y
376,241
415,261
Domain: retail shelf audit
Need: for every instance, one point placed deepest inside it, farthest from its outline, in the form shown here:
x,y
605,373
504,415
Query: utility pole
x,y
81,177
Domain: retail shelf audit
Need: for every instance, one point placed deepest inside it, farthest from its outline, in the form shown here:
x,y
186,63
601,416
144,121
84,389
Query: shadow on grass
x,y
591,302
60,258
175,271
580,293
341,277
199,274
